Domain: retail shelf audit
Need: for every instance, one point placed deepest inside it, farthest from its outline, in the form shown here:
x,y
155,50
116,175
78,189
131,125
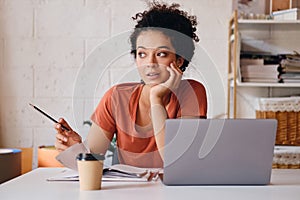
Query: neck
x,y
145,95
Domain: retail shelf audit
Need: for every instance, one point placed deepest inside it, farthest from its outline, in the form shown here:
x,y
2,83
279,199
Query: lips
x,y
152,75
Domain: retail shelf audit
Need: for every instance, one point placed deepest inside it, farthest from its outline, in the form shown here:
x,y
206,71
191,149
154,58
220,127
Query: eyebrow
x,y
160,47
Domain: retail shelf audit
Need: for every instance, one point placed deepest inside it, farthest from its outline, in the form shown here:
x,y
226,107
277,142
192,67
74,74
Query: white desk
x,y
285,184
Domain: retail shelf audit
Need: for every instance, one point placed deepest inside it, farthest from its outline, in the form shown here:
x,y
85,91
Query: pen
x,y
51,118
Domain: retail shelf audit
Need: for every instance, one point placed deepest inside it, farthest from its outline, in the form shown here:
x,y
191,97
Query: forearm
x,y
158,116
98,140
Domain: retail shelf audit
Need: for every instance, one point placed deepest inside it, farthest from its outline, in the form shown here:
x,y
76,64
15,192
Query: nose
x,y
152,62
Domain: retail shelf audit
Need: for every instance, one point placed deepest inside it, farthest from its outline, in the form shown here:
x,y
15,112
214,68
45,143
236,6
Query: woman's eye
x,y
162,54
141,54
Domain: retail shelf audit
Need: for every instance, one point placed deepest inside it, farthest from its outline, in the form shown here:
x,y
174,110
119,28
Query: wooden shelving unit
x,y
265,29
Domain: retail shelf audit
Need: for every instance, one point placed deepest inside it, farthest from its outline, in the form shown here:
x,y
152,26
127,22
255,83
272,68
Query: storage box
x,y
290,14
287,113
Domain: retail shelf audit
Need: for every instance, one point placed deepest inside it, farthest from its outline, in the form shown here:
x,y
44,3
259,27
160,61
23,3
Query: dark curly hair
x,y
176,24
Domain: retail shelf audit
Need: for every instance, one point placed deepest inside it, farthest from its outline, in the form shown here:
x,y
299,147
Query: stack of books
x,y
258,71
289,69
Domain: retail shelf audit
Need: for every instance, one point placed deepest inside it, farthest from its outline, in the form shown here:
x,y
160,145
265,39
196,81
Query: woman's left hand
x,y
161,90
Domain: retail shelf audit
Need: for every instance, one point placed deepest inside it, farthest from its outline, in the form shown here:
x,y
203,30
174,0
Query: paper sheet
x,y
125,174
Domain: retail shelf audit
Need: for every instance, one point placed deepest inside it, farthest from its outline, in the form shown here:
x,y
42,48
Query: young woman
x,y
162,45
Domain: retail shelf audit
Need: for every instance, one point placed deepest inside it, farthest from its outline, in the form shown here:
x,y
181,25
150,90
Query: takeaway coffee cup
x,y
90,167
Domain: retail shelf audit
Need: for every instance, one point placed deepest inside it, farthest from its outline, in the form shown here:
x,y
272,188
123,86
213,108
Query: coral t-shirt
x,y
117,110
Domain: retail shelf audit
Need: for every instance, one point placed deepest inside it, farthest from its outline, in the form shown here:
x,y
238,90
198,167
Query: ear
x,y
179,61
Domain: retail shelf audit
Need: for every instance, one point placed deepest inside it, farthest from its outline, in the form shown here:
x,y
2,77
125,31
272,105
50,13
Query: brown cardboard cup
x,y
90,168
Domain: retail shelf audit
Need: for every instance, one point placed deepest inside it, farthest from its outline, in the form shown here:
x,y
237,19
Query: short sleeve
x,y
192,99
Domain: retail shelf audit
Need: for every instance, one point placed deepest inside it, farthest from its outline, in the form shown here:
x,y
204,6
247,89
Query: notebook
x,y
219,151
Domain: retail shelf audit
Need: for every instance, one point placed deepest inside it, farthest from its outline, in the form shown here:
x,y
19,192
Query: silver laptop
x,y
219,151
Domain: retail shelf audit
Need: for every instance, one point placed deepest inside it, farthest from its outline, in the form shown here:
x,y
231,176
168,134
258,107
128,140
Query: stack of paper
x,y
255,70
259,73
289,69
119,172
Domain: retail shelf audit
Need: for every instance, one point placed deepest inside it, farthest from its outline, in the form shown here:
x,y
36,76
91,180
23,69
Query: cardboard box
x,y
277,5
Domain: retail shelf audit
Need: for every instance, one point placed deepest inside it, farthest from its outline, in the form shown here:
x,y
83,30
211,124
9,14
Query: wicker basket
x,y
286,157
288,128
285,166
287,113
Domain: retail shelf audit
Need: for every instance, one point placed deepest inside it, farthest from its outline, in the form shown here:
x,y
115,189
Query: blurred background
x,y
49,48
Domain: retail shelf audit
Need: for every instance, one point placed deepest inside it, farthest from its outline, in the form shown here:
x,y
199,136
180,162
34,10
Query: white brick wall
x,y
43,44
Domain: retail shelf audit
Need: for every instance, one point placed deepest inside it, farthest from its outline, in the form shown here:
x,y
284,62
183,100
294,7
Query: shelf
x,y
250,84
258,21
272,36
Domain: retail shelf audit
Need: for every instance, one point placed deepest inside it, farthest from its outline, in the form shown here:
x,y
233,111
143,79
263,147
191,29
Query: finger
x,y
64,123
57,145
61,137
178,73
61,133
57,126
74,136
61,129
60,147
171,71
176,68
175,75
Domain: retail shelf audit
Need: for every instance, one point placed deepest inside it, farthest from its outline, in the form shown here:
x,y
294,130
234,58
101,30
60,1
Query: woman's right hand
x,y
64,138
